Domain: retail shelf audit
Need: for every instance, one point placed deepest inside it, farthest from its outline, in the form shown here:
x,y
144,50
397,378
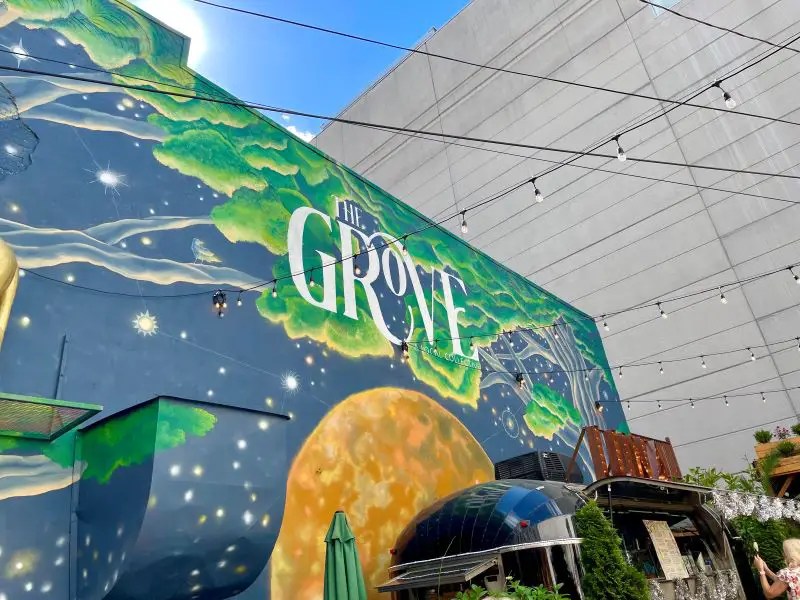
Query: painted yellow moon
x,y
381,456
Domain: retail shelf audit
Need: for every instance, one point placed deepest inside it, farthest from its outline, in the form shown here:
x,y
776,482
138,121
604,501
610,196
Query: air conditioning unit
x,y
539,466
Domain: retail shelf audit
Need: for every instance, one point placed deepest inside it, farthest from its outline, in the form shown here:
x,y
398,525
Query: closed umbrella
x,y
343,577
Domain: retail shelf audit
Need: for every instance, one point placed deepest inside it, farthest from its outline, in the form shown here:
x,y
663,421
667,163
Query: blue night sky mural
x,y
126,209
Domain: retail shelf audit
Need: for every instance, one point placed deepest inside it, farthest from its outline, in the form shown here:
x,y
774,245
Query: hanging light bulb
x,y
357,267
661,311
621,156
729,101
520,380
722,297
620,372
763,398
586,375
726,401
752,356
659,405
555,330
660,368
239,299
220,303
537,195
275,290
464,227
795,275
691,402
605,324
471,344
798,342
703,362
404,349
629,404
598,407
404,248
311,282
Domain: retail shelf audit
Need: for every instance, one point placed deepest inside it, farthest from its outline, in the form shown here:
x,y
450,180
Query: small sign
x,y
666,549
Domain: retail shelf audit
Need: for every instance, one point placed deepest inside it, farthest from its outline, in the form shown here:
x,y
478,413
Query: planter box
x,y
787,466
764,450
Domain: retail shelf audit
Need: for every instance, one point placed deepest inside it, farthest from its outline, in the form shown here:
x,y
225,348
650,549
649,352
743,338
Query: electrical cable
x,y
300,113
719,27
464,61
727,433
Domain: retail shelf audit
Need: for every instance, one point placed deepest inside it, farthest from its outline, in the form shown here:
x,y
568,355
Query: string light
x,y
729,101
357,267
620,373
660,368
659,405
661,310
726,401
555,330
763,398
691,402
520,380
311,282
795,275
471,344
703,362
629,404
598,407
275,290
722,297
464,227
404,247
586,375
404,349
239,299
220,302
798,343
752,356
621,156
537,195
605,324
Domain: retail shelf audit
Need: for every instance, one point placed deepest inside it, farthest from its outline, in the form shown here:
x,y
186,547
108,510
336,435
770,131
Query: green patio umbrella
x,y
343,577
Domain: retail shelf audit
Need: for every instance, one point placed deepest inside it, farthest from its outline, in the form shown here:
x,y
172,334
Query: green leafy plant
x,y
516,591
763,436
785,448
796,429
475,592
607,575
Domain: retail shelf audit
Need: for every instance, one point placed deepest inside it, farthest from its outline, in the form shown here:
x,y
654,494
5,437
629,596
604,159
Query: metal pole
x,y
61,364
610,507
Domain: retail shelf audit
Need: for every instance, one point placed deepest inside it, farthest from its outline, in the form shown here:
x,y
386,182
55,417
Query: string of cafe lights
x,y
466,62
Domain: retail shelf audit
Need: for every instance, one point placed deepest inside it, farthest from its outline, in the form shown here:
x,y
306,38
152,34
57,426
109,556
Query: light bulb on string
x,y
691,402
621,156
659,405
729,101
537,195
311,282
464,227
586,375
620,372
763,398
555,330
520,380
275,289
629,404
798,343
752,356
726,401
239,299
661,311
795,275
703,362
660,368
356,267
722,297
598,407
404,349
219,302
404,247
471,344
605,324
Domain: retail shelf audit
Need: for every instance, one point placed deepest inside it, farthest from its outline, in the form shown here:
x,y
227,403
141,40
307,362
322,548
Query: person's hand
x,y
759,564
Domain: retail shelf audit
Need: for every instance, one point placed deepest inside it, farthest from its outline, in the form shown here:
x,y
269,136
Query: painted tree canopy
x,y
265,174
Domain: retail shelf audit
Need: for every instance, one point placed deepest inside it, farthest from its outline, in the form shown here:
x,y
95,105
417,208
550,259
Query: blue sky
x,y
282,65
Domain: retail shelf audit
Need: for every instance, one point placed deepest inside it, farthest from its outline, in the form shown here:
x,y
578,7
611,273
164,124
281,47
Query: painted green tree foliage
x,y
265,173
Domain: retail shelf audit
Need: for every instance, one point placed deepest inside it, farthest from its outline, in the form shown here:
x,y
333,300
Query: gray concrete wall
x,y
606,241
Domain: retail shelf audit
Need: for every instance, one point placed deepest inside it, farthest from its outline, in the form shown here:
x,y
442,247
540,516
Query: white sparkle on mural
x,y
253,497
14,208
248,517
195,573
19,52
46,587
120,107
241,444
247,485
123,244
184,335
268,401
188,495
137,115
230,548
58,561
29,586
265,521
309,360
210,393
175,470
19,565
110,180
25,321
11,149
290,382
136,144
236,465
145,324
197,471
22,273
88,540
220,512
61,42
152,211
85,97
61,541
222,371
221,564
70,278
146,241
215,195
120,531
263,424
197,587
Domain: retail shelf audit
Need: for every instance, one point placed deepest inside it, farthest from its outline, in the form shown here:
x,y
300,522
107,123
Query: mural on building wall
x,y
126,209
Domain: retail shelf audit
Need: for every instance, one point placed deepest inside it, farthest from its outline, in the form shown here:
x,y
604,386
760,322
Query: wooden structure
x,y
627,455
786,471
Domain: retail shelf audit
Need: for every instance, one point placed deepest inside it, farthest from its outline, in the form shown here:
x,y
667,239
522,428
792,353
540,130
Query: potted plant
x,y
796,429
785,448
763,436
